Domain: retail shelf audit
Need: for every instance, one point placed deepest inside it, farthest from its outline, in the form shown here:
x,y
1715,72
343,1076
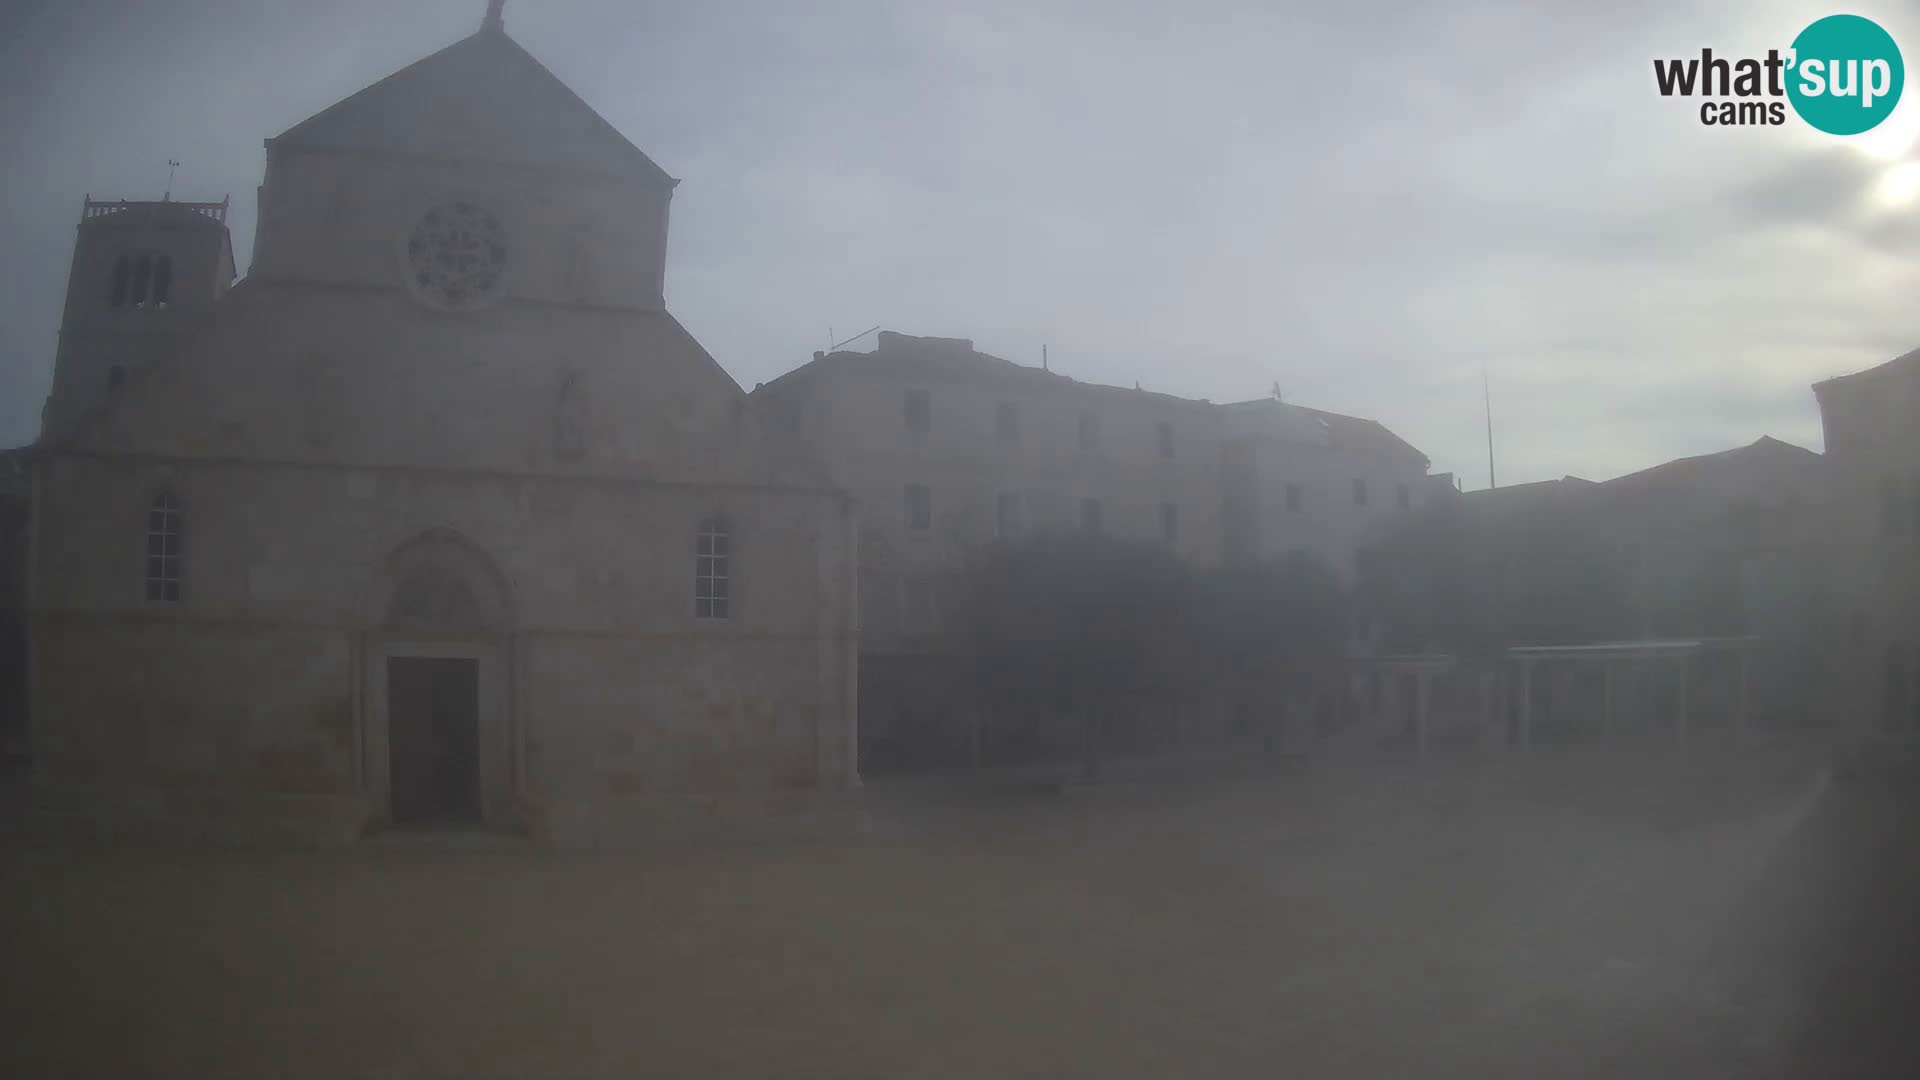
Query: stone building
x,y
1873,473
1728,544
1699,537
945,448
438,515
1301,480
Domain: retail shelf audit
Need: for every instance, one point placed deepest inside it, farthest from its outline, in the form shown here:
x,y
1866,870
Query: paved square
x,y
1553,918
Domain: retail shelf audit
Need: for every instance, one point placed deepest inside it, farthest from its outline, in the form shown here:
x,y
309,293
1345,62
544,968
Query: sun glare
x,y
1899,185
1895,137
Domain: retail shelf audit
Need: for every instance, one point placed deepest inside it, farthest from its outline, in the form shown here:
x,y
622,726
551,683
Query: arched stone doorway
x,y
441,741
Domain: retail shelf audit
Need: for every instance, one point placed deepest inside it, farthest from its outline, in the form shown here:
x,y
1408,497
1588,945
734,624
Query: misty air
x,y
880,539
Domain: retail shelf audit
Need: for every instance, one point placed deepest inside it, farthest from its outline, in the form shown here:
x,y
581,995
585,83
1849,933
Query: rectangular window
x,y
1090,515
919,410
1006,422
711,585
1169,522
919,507
918,601
1163,438
1006,515
162,281
1403,498
142,271
1293,498
1089,431
1359,492
163,549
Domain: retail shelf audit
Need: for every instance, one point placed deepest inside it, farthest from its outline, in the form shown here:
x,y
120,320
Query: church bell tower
x,y
144,274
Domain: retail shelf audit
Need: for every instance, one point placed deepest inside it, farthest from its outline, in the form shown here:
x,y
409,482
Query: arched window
x,y
142,271
163,548
120,272
712,590
162,280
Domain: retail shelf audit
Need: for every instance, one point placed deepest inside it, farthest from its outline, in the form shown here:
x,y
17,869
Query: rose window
x,y
456,256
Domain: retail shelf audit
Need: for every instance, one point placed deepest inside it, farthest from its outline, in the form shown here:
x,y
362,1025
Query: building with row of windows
x,y
944,448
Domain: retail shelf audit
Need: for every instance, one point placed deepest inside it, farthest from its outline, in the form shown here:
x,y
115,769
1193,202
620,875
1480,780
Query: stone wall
x,y
621,728
254,684
158,724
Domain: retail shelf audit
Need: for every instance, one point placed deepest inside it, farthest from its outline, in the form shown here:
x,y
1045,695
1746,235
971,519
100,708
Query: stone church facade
x,y
438,516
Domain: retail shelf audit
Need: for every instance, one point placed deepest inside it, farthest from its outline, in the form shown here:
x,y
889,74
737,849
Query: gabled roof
x,y
1531,495
483,98
1342,431
951,360
1907,363
1764,467
1359,433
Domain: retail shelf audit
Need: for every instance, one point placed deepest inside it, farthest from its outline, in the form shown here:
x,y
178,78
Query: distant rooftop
x,y
956,360
1335,429
1766,462
1907,363
1538,493
948,360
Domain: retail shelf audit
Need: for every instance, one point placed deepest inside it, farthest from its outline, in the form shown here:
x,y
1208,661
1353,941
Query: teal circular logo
x,y
1846,75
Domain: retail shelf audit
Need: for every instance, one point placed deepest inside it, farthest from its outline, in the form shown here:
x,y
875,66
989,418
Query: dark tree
x,y
1078,628
1452,579
1262,631
1069,627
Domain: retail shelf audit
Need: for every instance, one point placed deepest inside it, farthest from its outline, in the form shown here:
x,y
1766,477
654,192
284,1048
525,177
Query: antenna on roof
x,y
1043,357
852,339
167,196
1276,391
1486,392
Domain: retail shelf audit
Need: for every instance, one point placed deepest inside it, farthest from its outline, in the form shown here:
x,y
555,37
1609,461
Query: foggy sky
x,y
1364,206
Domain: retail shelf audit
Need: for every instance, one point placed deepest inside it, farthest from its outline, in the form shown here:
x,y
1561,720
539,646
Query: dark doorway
x,y
433,739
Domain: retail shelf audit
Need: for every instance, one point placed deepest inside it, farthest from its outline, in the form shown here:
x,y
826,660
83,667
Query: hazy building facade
x,y
945,449
1873,472
1702,538
1301,480
1729,544
438,516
